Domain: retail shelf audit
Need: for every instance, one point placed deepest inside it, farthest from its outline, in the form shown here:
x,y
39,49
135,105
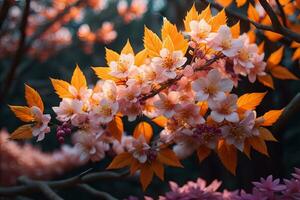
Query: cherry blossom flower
x,y
200,30
67,109
41,123
105,111
224,109
167,103
269,185
213,87
121,68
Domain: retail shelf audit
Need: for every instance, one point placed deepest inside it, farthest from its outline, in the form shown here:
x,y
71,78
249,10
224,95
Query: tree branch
x,y
4,11
96,193
282,13
19,53
74,181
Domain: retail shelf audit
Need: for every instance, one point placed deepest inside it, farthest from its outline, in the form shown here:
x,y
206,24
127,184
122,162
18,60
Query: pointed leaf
x,y
33,98
158,169
228,156
23,113
168,157
191,15
224,3
261,47
283,73
240,3
205,14
249,101
276,57
152,42
203,107
265,134
266,80
141,57
61,88
127,48
168,44
296,55
111,55
23,132
122,160
160,121
145,129
146,176
247,148
271,117
218,20
203,152
259,145
103,73
252,13
78,79
235,30
116,128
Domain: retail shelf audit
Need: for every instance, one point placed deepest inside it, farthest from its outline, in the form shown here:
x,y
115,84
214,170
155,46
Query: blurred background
x,y
61,34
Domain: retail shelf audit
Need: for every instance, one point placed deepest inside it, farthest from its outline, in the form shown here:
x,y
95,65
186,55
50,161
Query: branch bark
x,y
96,193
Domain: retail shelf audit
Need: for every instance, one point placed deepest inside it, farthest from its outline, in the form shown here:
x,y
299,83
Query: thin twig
x,y
19,53
82,178
282,13
96,193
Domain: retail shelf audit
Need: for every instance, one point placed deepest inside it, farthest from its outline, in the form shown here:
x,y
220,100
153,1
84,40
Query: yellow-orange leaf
x,y
78,79
145,129
265,134
33,98
295,44
122,160
261,47
271,117
296,55
160,121
178,41
152,42
203,152
111,55
274,37
283,73
218,20
116,128
191,15
235,30
228,156
259,145
134,166
127,48
249,101
205,14
23,113
61,88
247,148
168,157
266,80
251,36
158,169
23,132
203,107
146,176
252,13
103,73
276,57
168,44
240,3
141,57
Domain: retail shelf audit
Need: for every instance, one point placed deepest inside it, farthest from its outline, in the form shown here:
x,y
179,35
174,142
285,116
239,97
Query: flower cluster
x,y
267,189
135,11
182,81
25,160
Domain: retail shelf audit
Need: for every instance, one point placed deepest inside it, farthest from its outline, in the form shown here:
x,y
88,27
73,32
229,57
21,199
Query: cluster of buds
x,y
62,131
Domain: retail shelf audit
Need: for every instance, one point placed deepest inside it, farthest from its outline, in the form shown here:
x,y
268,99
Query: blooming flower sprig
x,y
181,81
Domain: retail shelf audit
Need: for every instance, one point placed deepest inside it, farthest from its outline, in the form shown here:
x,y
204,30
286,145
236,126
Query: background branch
x,y
96,193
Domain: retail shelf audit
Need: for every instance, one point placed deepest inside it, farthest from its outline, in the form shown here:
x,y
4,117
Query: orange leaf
x,y
271,117
168,44
203,107
61,88
203,152
111,55
276,57
296,55
145,129
259,145
240,3
134,166
146,176
103,73
178,41
205,14
252,13
116,129
160,121
122,160
283,73
265,134
224,3
23,132
158,169
218,20
127,48
191,15
228,156
23,113
249,101
274,37
295,44
266,80
33,98
141,57
235,30
168,157
247,148
261,47
152,42
251,36
78,79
